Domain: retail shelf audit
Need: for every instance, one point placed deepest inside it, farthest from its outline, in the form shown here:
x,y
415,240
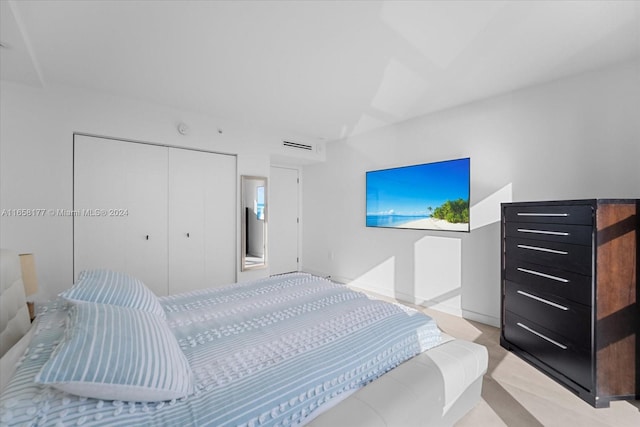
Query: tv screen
x,y
430,196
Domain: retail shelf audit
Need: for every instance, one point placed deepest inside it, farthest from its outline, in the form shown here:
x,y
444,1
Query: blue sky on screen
x,y
411,190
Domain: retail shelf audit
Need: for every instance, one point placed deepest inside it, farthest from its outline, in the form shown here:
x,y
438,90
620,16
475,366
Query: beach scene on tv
x,y
431,196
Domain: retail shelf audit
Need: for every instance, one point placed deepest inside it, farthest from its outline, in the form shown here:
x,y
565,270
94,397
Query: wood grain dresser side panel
x,y
616,299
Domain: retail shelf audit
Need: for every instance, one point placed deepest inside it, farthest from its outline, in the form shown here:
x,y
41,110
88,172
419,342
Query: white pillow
x,y
111,287
116,353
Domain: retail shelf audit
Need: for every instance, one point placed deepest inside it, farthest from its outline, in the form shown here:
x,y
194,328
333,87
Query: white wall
x,y
573,138
36,159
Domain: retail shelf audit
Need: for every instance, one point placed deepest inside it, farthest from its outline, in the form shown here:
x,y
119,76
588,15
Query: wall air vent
x,y
297,145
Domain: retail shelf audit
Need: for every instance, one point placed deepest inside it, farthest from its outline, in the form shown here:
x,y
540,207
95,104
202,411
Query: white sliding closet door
x,y
120,204
202,220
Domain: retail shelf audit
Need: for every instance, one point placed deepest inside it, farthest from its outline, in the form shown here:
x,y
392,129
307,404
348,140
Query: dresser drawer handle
x,y
548,276
552,233
541,214
544,337
538,248
546,301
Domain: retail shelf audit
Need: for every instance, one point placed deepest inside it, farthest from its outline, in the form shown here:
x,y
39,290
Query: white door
x,y
120,209
202,220
282,220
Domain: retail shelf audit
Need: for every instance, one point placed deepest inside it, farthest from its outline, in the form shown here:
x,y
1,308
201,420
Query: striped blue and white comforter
x,y
265,353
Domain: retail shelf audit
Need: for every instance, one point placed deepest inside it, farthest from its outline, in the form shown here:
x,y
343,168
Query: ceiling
x,y
319,69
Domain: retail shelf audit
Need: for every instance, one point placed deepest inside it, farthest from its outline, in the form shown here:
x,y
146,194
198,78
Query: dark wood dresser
x,y
569,293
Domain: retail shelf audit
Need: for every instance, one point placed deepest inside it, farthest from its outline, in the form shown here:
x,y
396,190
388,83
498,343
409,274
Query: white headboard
x,y
14,314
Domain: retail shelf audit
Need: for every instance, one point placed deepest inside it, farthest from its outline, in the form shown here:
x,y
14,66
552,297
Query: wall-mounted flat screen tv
x,y
430,196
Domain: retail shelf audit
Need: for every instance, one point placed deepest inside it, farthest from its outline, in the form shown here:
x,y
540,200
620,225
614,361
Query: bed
x,y
294,349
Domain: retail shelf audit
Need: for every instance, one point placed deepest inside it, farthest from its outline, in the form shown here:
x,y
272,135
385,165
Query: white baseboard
x,y
482,318
319,273
400,296
436,305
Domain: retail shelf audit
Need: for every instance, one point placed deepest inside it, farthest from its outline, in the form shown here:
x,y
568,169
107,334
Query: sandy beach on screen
x,y
435,224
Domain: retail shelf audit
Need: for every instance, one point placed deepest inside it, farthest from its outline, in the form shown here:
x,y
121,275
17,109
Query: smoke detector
x,y
183,128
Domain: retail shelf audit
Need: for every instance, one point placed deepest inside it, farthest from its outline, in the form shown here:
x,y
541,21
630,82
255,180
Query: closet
x,y
165,215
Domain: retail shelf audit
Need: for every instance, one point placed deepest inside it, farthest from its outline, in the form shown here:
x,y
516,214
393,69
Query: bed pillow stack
x,y
117,344
114,288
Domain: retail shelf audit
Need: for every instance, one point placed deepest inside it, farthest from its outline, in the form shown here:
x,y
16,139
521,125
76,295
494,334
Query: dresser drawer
x,y
559,315
552,214
576,258
550,280
561,233
550,348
